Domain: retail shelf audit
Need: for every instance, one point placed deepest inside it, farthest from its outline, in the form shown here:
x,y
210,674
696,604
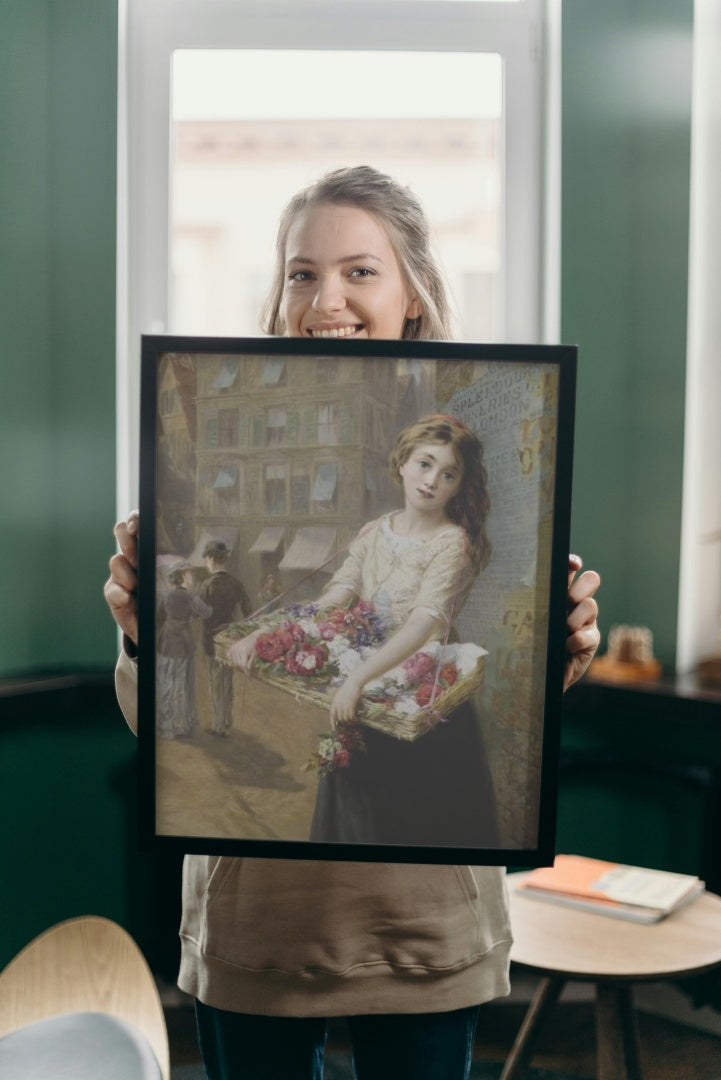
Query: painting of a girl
x,y
416,566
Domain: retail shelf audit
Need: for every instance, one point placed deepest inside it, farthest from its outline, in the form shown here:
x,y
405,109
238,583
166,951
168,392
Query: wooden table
x,y
563,944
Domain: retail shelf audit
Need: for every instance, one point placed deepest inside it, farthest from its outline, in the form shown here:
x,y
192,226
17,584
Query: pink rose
x,y
341,759
419,666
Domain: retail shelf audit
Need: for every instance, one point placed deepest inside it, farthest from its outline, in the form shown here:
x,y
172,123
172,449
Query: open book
x,y
608,888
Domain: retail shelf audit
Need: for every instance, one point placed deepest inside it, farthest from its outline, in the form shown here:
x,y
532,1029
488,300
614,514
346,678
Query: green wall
x,y
625,199
68,804
626,135
58,73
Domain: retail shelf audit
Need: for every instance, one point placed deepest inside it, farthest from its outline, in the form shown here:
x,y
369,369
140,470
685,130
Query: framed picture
x,y
352,597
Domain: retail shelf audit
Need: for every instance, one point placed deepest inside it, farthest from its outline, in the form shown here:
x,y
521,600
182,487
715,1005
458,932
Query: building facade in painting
x,y
286,457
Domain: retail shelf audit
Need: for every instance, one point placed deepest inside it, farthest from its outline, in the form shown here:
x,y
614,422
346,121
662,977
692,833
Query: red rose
x,y
269,648
306,660
426,694
341,759
285,639
448,674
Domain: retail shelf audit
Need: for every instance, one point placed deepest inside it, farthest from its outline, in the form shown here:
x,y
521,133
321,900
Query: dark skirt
x,y
434,792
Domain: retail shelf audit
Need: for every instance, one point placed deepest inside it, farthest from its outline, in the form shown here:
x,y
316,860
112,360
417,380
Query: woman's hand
x,y
344,705
583,635
121,587
242,652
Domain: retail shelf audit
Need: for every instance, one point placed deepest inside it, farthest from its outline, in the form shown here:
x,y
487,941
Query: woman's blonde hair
x,y
471,505
402,216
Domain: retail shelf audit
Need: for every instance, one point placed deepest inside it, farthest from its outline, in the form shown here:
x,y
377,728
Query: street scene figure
x,y
229,602
176,712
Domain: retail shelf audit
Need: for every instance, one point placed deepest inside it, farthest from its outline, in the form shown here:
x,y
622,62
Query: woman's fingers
x,y
121,587
119,592
582,607
126,534
583,636
575,563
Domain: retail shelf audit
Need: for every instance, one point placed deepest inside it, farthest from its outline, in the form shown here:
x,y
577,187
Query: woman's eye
x,y
300,276
362,272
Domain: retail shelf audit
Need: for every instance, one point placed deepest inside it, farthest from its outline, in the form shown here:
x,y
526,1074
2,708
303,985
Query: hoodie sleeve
x,y
126,689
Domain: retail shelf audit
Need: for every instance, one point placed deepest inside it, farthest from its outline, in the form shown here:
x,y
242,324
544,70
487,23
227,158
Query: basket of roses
x,y
308,652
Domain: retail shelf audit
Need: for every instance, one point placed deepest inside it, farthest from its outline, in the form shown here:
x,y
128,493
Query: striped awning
x,y
312,546
269,539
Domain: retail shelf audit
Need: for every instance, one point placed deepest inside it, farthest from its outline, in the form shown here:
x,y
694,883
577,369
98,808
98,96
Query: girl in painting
x,y
175,664
416,566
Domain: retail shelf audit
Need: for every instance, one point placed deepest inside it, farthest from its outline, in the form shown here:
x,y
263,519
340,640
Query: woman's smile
x,y
335,331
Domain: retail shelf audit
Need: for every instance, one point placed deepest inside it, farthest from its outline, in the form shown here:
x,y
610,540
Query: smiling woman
x,y
332,290
353,259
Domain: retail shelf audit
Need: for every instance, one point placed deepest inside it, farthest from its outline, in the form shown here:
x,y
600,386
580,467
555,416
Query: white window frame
x,y
699,596
526,34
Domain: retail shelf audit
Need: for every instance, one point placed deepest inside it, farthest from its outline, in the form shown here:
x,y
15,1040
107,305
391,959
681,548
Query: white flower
x,y
309,628
397,676
337,646
407,706
348,661
465,656
308,661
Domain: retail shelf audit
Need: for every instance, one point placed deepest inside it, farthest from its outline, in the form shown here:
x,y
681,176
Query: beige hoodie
x,y
284,937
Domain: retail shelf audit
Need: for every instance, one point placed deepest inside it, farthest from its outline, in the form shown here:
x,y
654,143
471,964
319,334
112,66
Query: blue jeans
x,y
414,1046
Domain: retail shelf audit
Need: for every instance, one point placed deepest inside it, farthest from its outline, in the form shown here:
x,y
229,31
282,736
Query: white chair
x,y
80,1002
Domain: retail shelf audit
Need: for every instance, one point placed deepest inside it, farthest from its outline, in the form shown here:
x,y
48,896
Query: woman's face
x,y
431,476
342,277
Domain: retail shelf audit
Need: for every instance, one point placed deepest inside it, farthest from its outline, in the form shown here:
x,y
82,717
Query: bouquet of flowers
x,y
335,750
310,651
322,645
427,685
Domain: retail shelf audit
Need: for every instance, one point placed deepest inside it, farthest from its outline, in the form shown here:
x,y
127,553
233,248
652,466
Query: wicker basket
x,y
319,692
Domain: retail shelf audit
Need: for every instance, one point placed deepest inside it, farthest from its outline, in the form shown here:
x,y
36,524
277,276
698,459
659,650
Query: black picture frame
x,y
276,449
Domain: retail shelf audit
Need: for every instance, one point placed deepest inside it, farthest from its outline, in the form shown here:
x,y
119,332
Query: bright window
x,y
235,161
227,108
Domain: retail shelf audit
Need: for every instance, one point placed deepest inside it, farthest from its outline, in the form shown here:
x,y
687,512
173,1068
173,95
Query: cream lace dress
x,y
435,791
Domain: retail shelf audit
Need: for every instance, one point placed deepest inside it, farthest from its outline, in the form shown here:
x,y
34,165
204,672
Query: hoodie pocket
x,y
294,916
